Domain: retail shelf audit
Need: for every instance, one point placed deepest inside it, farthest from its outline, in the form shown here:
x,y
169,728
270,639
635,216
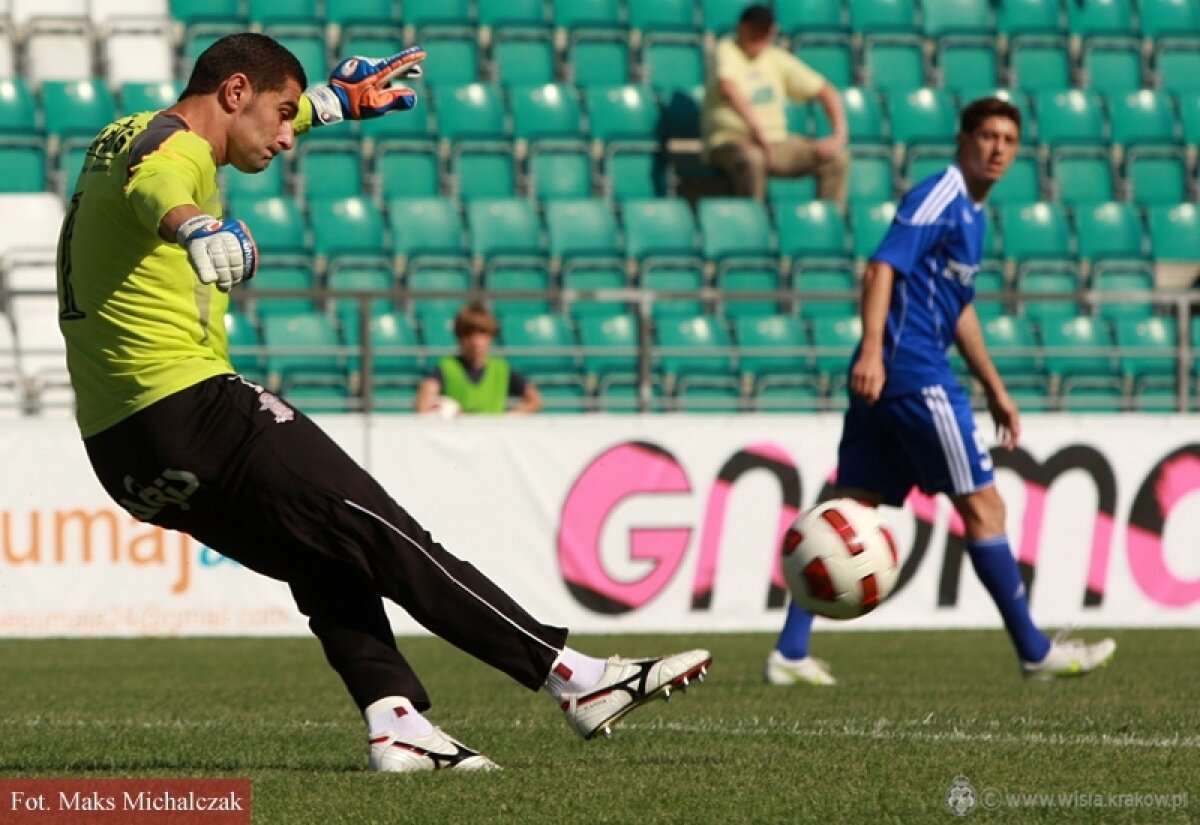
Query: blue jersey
x,y
935,244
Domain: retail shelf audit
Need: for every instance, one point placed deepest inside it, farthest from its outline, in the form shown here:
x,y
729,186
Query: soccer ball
x,y
839,561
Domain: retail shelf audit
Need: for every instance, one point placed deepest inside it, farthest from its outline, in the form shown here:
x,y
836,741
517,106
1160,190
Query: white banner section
x,y
631,524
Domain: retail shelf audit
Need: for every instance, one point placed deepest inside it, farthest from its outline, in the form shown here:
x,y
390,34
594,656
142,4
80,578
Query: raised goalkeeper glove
x,y
221,252
358,87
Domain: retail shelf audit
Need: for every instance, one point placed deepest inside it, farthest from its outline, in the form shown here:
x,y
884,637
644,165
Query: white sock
x,y
395,714
572,672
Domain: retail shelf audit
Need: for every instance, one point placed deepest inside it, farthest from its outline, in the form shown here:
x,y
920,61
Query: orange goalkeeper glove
x,y
359,87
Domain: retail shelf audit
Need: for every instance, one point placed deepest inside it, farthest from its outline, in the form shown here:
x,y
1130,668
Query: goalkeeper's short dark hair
x,y
267,63
977,111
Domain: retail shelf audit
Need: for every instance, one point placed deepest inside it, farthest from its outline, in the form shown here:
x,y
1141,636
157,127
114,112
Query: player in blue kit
x,y
909,422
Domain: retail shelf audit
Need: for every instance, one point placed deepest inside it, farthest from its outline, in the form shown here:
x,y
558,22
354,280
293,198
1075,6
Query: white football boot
x,y
1070,657
627,684
807,671
433,752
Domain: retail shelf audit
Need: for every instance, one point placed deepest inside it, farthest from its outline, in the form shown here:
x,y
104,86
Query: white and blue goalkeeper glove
x,y
359,87
221,252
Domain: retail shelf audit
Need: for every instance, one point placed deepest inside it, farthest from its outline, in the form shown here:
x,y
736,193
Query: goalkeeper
x,y
145,264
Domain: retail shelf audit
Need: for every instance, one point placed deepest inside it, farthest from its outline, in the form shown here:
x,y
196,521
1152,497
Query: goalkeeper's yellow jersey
x,y
139,326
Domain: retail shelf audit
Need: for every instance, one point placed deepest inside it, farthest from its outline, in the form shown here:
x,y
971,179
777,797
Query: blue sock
x,y
997,569
793,639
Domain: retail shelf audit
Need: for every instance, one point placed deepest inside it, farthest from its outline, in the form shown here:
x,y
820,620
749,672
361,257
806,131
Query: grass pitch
x,y
915,711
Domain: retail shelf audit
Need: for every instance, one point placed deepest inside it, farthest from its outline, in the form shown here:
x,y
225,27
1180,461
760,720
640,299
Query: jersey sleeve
x,y
728,62
801,82
912,235
171,175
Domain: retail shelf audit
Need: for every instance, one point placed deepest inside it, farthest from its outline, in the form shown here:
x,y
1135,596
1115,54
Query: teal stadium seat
x,y
540,345
483,171
1143,117
1174,231
1113,66
1100,17
548,111
955,18
508,227
277,224
622,113
1189,115
343,281
967,64
1083,175
305,41
1040,64
504,278
302,349
834,340
799,17
784,191
1134,284
1156,175
18,109
330,169
825,291
24,163
447,276
734,228
560,172
694,346
810,229
412,170
1169,18
583,228
1022,183
76,109
721,16
505,14
268,12
599,59
1070,117
609,345
874,16
202,11
923,116
1048,296
148,96
894,63
1149,362
348,226
869,222
1178,64
673,63
397,362
634,171
473,111
772,346
1036,230
990,286
658,227
683,278
756,287
413,128
1108,231
453,58
282,275
870,175
1079,348
346,13
523,57
572,15
421,14
1020,17
662,15
864,116
245,345
594,276
831,54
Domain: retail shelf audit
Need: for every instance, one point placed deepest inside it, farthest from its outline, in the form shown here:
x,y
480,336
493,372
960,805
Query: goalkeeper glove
x,y
358,87
221,252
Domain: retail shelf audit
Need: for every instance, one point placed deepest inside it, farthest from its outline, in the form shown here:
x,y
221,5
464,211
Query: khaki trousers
x,y
746,167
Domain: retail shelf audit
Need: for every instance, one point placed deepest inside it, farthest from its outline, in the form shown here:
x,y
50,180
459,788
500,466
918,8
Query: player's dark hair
x,y
474,317
758,16
977,111
267,63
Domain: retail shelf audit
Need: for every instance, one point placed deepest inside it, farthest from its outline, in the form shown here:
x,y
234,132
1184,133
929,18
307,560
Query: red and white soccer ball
x,y
839,560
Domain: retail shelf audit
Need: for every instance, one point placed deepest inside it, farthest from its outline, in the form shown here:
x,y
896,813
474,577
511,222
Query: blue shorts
x,y
927,439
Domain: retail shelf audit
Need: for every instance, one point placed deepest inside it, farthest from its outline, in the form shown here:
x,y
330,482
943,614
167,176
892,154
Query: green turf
x,y
914,711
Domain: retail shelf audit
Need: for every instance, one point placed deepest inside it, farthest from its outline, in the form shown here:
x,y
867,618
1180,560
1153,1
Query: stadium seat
x,y
662,15
343,280
599,59
1070,117
1022,183
720,17
281,274
812,229
586,277
268,12
584,228
864,116
954,18
1189,115
1174,231
396,358
1109,231
825,290
18,110
421,14
1013,347
1100,17
966,64
24,164
200,36
483,170
76,108
1156,175
149,96
329,169
1092,394
609,345
58,49
622,113
446,276
748,290
1040,65
560,171
633,170
621,394
523,57
673,62
990,286
563,394
1080,347
347,13
503,227
1047,296
869,222
348,226
1113,66
474,111
571,15
834,340
138,50
1169,18
245,345
1036,230
206,11
453,58
873,16
831,54
538,345
870,174
276,223
718,395
1178,65
494,15
734,227
1017,17
658,227
307,42
1126,280
694,346
923,116
680,114
1143,117
503,278
782,192
683,278
548,111
1149,361
894,63
1083,175
404,169
772,346
302,350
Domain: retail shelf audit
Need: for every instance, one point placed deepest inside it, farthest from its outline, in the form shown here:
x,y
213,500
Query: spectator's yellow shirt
x,y
138,324
767,82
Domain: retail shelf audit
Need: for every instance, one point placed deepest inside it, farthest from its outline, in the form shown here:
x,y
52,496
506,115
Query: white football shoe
x,y
627,684
1070,657
807,671
433,752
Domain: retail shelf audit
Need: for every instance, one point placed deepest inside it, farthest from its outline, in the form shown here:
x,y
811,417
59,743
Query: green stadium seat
x,y
1174,231
268,12
1058,290
245,345
523,57
538,345
1083,175
1100,17
599,59
348,226
199,11
1178,65
435,323
704,394
1070,117
810,229
662,15
425,227
506,14
343,280
148,96
548,111
396,357
302,349
1156,175
1013,347
673,63
952,18
1143,117
24,164
734,228
1018,17
1149,351
506,227
967,64
825,291
587,277
1035,230
990,286
621,394
1022,183
276,223
720,17
346,13
412,170
834,340
1128,279
694,346
1089,395
1080,347
1113,66
563,394
306,42
570,15
634,171
787,394
756,287
1109,231
772,346
797,18
453,58
894,63
874,16
483,171
923,116
869,222
18,109
667,276
474,111
77,108
1040,64
609,345
420,14
583,228
782,192
622,113
282,275
373,39
864,116
560,172
830,54
658,227
330,169
504,278
1189,115
453,278
1169,18
870,174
